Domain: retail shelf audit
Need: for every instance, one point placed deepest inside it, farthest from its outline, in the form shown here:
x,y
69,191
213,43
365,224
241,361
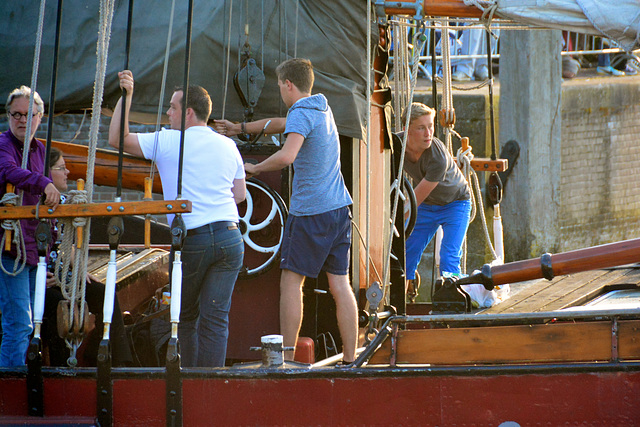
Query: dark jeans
x,y
94,296
211,260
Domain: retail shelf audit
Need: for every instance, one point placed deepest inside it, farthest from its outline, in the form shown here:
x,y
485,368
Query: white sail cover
x,y
618,20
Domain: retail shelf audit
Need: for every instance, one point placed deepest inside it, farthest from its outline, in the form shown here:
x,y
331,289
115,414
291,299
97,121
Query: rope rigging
x,y
403,86
165,67
419,39
77,229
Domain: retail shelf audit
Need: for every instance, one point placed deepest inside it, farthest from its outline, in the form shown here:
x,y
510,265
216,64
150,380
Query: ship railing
x,y
590,335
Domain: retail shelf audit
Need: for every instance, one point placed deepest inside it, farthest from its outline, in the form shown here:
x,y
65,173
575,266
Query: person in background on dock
x,y
17,292
442,193
317,235
214,181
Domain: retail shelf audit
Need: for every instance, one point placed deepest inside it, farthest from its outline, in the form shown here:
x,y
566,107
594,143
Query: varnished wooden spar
x,y
455,8
548,266
135,170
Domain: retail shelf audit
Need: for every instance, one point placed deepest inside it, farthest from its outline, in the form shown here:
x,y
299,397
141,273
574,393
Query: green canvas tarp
x,y
331,34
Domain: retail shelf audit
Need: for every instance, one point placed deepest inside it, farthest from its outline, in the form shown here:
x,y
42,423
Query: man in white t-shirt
x,y
213,179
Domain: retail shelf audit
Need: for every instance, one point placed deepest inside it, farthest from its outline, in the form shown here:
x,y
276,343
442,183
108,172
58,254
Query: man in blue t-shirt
x,y
317,235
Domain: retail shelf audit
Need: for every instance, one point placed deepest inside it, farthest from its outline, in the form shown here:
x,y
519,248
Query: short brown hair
x,y
298,71
54,155
199,100
418,109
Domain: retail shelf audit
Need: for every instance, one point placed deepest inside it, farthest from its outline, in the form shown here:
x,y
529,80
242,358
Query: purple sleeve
x,y
11,171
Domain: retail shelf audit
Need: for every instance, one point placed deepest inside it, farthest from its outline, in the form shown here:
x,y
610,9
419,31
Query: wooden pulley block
x,y
63,314
447,117
81,324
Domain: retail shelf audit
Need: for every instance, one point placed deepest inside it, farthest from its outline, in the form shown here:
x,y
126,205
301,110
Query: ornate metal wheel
x,y
262,218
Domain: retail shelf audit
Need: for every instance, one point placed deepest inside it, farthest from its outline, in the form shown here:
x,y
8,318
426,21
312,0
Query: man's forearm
x,y
275,162
276,125
114,126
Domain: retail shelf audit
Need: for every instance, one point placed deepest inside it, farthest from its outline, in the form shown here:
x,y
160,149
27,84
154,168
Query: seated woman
x,y
94,296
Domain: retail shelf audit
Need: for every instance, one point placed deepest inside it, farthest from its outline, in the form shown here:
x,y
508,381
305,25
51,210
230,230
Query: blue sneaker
x,y
609,71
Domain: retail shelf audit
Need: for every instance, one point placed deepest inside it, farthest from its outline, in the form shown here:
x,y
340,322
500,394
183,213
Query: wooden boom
x,y
134,169
548,266
455,8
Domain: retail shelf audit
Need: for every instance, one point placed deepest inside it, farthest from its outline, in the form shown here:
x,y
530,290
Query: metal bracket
x,y
374,296
614,340
484,277
115,230
178,233
104,385
381,8
393,356
35,388
450,298
174,384
546,266
494,188
381,13
43,237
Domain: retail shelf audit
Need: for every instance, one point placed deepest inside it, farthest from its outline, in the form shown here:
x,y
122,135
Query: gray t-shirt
x,y
437,165
318,185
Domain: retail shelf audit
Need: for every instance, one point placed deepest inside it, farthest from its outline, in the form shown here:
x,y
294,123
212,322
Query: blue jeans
x,y
454,219
16,299
211,262
604,60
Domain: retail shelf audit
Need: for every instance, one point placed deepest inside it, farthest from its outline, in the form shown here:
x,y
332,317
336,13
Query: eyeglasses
x,y
59,168
18,116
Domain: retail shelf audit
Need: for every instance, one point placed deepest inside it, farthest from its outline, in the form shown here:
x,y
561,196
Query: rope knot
x,y
9,224
77,197
9,199
79,222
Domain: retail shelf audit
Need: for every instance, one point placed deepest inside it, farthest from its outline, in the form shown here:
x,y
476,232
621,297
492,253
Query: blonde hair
x,y
418,109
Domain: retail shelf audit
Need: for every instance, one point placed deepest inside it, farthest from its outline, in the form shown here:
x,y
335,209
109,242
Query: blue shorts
x,y
316,243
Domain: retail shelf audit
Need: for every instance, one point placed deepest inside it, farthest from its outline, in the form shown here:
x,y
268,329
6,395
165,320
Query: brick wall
x,y
599,190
